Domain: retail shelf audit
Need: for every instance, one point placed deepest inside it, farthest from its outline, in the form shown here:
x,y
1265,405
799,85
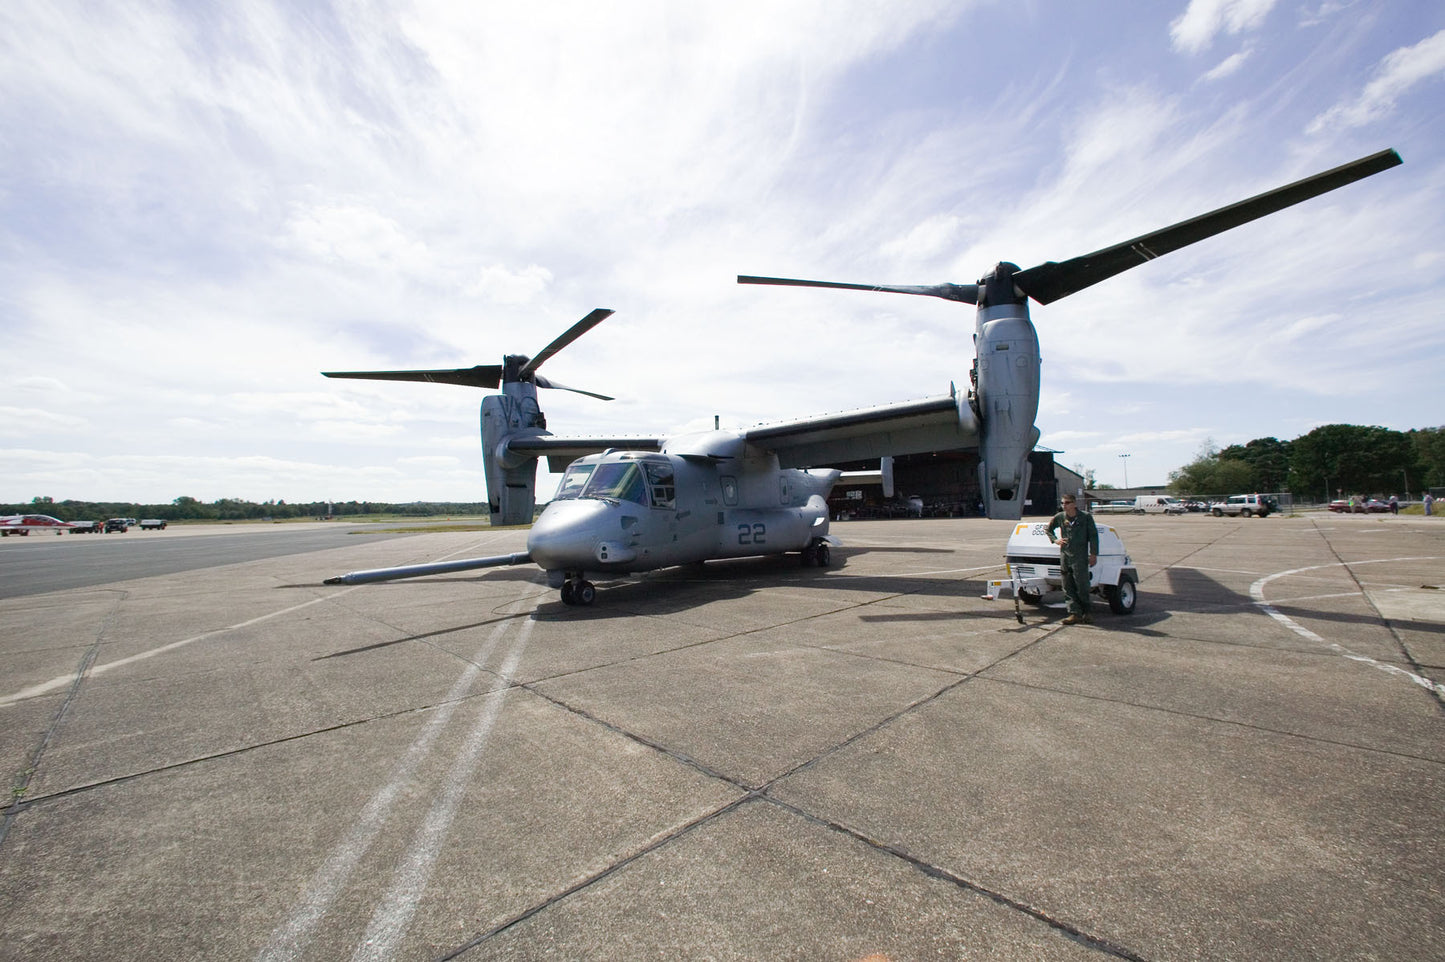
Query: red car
x,y
1368,506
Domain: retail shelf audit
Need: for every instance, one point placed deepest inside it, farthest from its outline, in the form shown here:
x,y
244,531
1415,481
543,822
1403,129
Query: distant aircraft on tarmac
x,y
630,505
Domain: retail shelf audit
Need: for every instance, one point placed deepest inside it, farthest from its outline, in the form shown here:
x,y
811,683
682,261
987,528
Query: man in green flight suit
x,y
1078,540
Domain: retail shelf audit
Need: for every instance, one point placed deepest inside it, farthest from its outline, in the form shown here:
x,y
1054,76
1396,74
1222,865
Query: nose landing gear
x,y
577,591
817,553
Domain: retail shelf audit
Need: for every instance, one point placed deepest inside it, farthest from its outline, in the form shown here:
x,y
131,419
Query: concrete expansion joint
x,y
1068,930
17,802
603,873
1227,722
680,757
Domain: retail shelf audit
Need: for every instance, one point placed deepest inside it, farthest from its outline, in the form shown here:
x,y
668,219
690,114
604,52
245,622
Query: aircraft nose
x,y
565,536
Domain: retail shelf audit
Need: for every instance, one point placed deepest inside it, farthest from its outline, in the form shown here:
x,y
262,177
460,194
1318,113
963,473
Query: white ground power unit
x,y
1032,568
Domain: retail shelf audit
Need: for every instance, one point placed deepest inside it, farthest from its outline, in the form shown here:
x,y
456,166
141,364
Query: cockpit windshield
x,y
573,482
617,481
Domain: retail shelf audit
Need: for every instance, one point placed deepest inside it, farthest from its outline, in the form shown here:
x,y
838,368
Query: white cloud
x,y
1227,67
23,422
503,285
1395,76
1203,20
359,238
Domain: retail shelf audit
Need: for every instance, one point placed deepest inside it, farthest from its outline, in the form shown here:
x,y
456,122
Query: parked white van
x,y
1157,504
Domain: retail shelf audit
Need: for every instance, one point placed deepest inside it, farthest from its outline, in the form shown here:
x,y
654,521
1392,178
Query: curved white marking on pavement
x,y
1256,591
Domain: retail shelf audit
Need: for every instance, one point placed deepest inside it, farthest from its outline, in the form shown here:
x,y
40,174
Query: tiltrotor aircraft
x,y
631,505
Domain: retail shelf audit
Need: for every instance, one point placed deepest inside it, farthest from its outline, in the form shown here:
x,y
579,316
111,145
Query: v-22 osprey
x,y
628,505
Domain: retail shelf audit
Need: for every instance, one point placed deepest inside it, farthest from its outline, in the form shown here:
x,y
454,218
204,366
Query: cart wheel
x,y
1122,598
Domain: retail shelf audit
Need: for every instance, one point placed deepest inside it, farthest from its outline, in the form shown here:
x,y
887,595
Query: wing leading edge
x,y
942,423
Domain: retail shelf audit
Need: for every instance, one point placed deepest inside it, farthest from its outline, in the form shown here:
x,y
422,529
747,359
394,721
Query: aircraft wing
x,y
942,423
561,452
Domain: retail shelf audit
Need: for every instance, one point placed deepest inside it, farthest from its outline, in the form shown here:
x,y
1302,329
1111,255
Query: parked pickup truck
x,y
152,524
86,527
1244,505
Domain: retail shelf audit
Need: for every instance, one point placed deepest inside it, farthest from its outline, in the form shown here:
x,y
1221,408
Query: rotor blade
x,y
571,334
483,375
1050,281
966,293
541,381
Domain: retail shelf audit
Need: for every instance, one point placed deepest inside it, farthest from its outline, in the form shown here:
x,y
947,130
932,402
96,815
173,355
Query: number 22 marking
x,y
752,533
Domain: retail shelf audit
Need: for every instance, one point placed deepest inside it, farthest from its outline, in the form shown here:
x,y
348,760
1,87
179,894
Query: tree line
x,y
1330,461
234,509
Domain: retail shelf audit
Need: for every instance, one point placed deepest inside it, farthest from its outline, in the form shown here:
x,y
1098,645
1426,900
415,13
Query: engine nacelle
x,y
511,481
1007,401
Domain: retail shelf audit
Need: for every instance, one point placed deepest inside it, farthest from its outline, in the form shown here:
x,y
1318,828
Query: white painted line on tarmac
x,y
64,680
392,918
1256,591
290,940
940,571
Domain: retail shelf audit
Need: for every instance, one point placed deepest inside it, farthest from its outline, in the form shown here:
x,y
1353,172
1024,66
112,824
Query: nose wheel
x,y
817,553
577,591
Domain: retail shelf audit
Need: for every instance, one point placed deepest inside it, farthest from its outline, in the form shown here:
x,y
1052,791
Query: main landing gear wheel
x,y
578,592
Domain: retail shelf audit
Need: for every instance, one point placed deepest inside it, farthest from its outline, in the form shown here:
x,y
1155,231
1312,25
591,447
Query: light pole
x,y
1125,459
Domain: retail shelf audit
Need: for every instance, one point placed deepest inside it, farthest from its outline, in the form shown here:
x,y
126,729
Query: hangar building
x,y
946,485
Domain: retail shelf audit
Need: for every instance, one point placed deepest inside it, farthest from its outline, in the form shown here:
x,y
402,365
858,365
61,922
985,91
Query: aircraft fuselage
x,y
630,511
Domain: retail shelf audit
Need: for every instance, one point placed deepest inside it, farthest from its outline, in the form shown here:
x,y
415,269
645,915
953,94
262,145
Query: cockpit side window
x,y
619,481
574,481
660,484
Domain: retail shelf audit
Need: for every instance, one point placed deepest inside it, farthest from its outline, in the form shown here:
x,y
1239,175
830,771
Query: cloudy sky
x,y
202,206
